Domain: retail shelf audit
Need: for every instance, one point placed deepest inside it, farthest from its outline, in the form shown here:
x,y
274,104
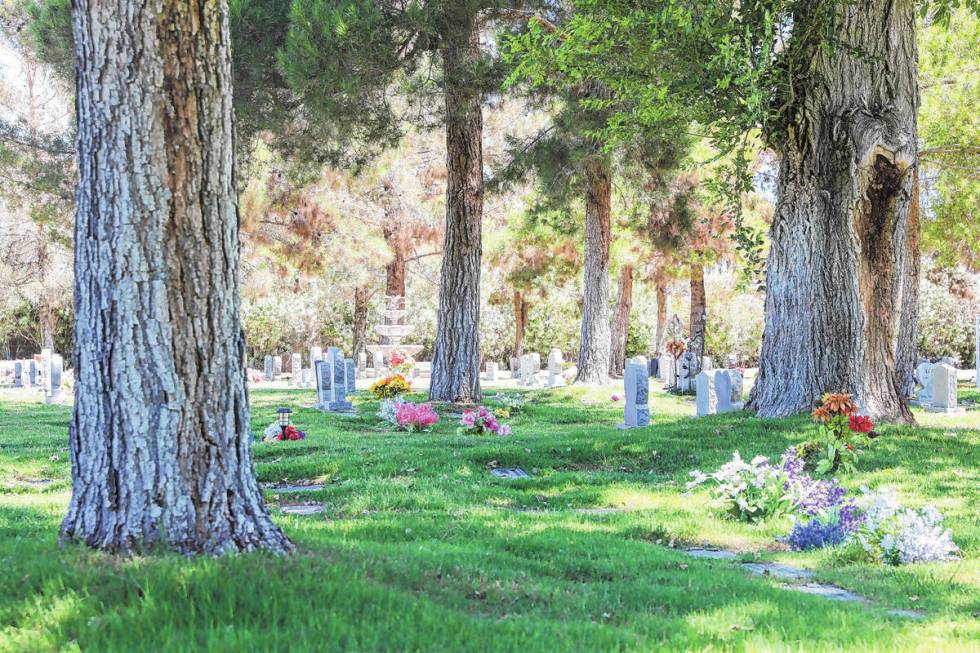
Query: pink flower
x,y
468,419
416,416
504,430
616,397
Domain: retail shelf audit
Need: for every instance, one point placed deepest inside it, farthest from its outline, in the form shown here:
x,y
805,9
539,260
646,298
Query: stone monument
x,y
54,395
636,384
707,399
944,391
556,363
331,382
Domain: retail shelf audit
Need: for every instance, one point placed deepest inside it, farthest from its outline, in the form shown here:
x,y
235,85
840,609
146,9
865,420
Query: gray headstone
x,y
276,367
32,372
510,472
351,376
723,391
737,383
362,363
944,390
18,374
707,363
331,381
707,400
268,371
685,371
515,367
636,384
556,363
491,373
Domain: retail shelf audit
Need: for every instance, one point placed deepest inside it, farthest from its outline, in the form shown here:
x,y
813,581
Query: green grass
x,y
422,549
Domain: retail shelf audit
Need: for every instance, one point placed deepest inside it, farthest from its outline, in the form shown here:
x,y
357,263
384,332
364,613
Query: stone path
x,y
312,509
286,489
793,576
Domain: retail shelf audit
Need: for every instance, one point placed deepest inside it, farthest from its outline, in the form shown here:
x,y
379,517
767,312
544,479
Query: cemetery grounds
x,y
420,548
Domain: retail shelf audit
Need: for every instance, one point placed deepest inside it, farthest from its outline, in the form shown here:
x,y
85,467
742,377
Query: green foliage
x,y
947,312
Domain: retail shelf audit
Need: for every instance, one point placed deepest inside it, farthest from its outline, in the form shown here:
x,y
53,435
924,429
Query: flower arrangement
x,y
279,434
390,386
480,422
512,403
675,348
389,410
415,418
401,362
894,534
838,420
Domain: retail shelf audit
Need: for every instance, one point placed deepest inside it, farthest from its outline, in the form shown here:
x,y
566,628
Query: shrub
x,y
390,386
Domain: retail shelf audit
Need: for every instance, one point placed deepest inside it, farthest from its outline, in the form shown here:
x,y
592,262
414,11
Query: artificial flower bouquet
x,y
416,418
839,430
480,422
278,434
390,386
401,362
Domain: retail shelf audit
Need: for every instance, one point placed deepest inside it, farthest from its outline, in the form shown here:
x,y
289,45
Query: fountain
x,y
394,330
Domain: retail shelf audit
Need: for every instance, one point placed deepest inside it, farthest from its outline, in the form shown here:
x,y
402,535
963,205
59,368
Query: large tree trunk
x,y
593,353
661,317
159,439
456,355
360,319
840,235
621,322
520,322
699,315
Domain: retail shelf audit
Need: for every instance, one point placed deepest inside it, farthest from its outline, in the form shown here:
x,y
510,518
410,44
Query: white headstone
x,y
707,400
530,366
737,383
276,367
54,395
666,371
723,391
515,368
556,364
924,374
636,383
362,363
378,360
944,391
296,369
707,363
491,371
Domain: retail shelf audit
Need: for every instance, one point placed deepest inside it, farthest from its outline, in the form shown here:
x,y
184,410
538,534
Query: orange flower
x,y
839,404
821,414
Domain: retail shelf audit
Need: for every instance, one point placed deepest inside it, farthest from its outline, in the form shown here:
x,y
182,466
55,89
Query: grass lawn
x,y
420,548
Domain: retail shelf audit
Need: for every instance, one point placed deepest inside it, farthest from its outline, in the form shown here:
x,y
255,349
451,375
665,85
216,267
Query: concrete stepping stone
x,y
789,573
510,472
286,489
302,510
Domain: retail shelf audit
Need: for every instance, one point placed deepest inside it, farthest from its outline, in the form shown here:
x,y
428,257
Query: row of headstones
x,y
28,373
679,372
718,391
305,377
525,370
937,391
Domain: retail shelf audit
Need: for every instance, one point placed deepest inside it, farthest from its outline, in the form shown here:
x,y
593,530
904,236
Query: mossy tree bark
x,y
159,438
839,268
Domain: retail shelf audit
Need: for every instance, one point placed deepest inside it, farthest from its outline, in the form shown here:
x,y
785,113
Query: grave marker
x,y
351,372
555,364
924,375
296,369
491,373
18,374
707,399
56,368
723,391
636,384
944,391
331,382
267,368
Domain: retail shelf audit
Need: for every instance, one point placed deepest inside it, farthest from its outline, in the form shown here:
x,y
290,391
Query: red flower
x,y
860,423
850,447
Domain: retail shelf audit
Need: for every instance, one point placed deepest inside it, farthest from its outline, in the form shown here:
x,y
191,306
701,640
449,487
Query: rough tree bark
x,y
621,322
699,317
661,317
361,296
520,322
593,353
906,347
395,269
456,354
159,438
841,231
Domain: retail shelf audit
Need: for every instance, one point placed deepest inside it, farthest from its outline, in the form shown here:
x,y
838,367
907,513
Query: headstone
x,y
378,359
723,391
307,377
654,365
731,361
362,364
46,370
685,371
924,375
491,371
737,383
276,367
31,373
707,363
351,372
555,364
54,395
667,370
296,369
636,382
268,371
530,366
331,382
707,400
515,368
944,391
18,374
510,472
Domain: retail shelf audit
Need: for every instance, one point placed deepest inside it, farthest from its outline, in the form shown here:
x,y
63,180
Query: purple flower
x,y
815,534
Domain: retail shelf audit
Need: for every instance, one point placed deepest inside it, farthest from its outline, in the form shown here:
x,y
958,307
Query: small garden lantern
x,y
284,414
